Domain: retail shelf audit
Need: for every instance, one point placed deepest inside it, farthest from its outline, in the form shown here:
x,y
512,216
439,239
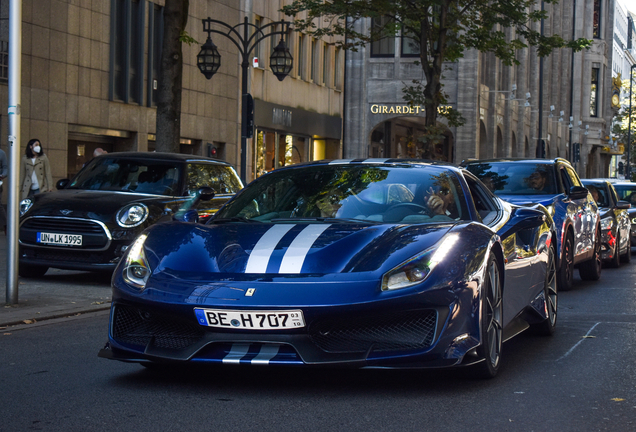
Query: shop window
x,y
596,32
594,92
385,45
127,50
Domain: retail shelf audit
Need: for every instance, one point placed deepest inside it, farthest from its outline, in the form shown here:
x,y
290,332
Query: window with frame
x,y
594,92
127,50
385,45
596,32
301,56
256,52
314,62
155,43
325,64
336,70
409,44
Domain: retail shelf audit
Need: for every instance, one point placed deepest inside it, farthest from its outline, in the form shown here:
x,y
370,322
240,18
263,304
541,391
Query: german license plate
x,y
250,320
60,239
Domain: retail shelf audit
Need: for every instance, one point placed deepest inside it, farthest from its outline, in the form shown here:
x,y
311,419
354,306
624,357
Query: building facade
x,y
548,106
90,71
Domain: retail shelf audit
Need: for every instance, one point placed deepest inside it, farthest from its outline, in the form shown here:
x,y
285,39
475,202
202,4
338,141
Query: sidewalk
x,y
59,293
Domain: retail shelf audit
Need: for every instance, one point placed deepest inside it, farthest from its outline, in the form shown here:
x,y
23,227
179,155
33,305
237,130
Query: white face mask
x,y
37,149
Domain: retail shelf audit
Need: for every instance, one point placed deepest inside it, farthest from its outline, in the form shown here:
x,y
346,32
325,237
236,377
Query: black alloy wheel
x,y
550,291
591,270
491,322
566,271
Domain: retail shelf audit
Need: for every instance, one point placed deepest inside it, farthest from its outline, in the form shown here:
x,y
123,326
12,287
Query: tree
x,y
621,122
171,76
442,29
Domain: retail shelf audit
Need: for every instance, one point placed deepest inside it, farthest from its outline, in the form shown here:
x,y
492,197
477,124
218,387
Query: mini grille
x,y
136,327
61,225
391,332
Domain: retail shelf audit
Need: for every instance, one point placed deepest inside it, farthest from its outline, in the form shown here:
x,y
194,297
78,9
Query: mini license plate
x,y
60,239
250,320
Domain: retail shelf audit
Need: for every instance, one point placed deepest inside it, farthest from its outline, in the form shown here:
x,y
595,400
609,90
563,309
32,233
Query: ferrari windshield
x,y
510,178
352,193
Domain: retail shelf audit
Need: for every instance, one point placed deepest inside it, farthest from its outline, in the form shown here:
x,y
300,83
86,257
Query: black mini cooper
x,y
91,220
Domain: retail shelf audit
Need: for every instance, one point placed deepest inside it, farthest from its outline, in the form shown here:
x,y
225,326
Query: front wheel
x,y
616,259
591,270
550,292
491,323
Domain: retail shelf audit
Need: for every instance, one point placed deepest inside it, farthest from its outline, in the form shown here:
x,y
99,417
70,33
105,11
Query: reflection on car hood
x,y
265,248
529,199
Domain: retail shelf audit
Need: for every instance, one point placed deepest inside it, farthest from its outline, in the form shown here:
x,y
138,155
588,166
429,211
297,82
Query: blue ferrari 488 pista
x,y
365,263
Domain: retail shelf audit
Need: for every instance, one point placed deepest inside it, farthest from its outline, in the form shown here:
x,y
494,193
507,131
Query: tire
x,y
615,262
566,270
591,270
31,271
627,256
491,323
550,290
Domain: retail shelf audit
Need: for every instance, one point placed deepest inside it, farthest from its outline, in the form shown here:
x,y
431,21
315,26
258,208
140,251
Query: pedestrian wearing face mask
x,y
35,171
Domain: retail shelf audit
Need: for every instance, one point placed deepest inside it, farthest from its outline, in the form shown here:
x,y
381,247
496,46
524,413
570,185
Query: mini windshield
x,y
351,193
510,178
129,175
626,193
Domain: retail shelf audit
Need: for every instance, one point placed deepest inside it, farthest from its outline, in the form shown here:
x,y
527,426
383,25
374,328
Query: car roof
x,y
161,156
516,160
422,163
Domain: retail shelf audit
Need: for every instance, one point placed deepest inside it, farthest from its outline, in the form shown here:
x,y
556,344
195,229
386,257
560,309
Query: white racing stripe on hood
x,y
298,249
259,258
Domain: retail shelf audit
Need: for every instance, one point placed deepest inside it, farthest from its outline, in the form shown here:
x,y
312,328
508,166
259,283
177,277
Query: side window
x,y
484,204
220,178
573,177
565,179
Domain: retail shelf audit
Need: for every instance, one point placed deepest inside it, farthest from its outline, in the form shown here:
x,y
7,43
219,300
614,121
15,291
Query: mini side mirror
x,y
623,205
187,216
61,184
205,193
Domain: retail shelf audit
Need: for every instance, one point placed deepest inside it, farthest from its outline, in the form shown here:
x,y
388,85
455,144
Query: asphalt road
x,y
581,379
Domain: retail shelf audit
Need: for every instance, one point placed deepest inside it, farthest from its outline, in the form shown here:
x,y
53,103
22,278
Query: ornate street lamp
x,y
209,61
281,61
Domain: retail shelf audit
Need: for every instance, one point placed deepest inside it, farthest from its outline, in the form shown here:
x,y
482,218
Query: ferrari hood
x,y
286,248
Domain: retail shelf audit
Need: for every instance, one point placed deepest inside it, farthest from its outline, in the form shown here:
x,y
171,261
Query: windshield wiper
x,y
234,219
324,219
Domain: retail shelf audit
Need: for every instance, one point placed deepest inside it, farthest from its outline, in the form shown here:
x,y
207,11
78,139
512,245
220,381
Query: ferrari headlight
x,y
25,205
607,223
416,269
132,215
136,269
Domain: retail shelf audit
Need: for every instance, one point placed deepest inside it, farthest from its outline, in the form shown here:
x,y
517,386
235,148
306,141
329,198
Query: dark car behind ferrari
x,y
626,191
573,209
615,222
90,221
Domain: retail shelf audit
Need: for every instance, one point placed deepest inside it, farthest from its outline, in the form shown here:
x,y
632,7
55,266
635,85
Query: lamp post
x,y
628,166
209,61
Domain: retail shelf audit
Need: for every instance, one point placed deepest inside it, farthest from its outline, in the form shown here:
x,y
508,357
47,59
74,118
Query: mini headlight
x,y
136,269
607,223
132,215
25,205
417,269
634,220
